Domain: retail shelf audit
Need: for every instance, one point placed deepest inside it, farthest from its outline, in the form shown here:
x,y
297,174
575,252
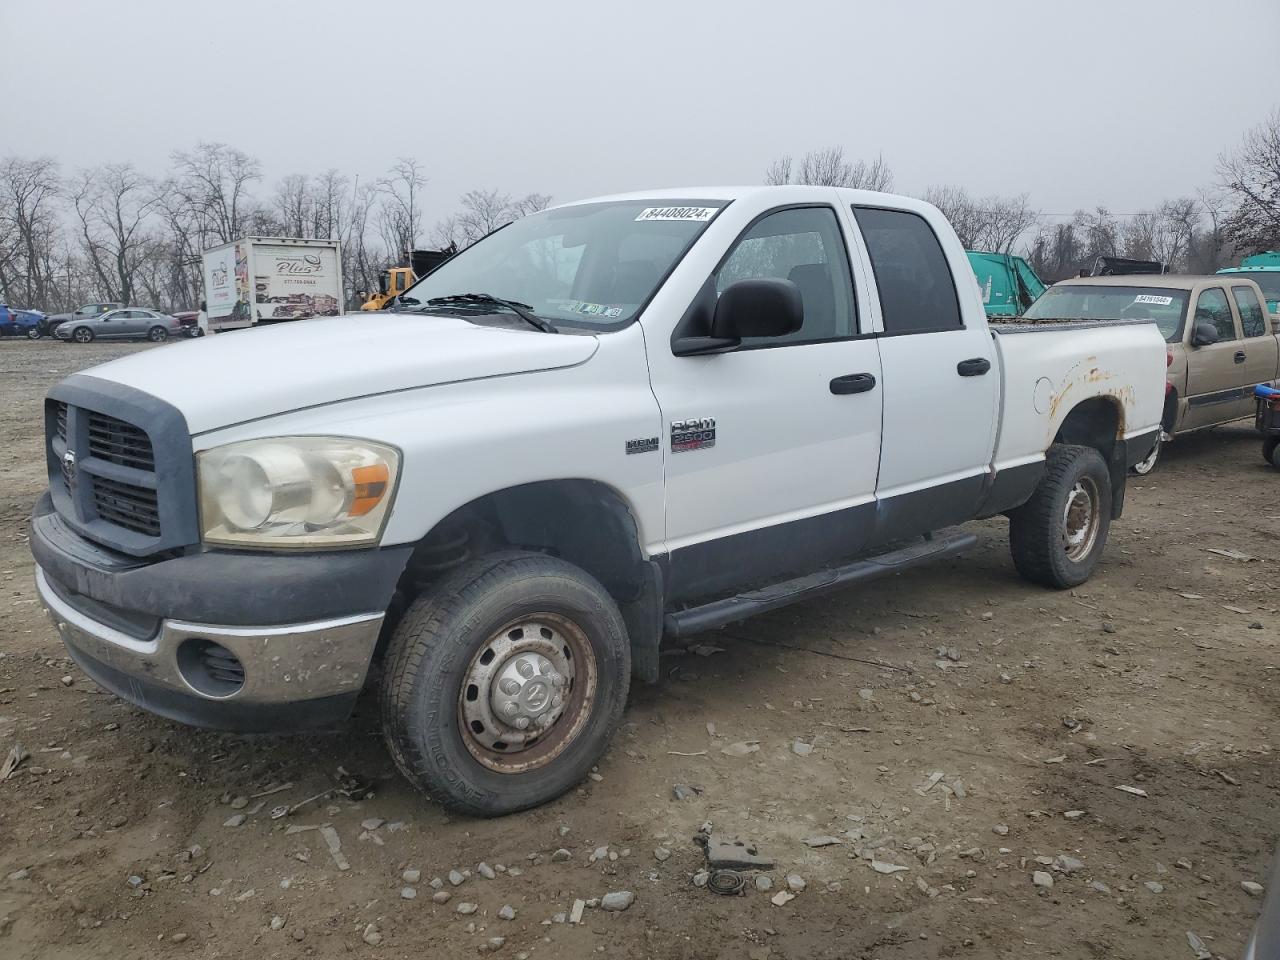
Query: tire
x,y
33,333
1271,451
438,684
1076,484
1144,467
157,334
82,335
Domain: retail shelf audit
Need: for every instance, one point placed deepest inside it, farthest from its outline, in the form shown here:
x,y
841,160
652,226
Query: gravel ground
x,y
950,742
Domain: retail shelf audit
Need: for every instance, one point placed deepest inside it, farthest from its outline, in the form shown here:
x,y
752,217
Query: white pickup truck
x,y
610,422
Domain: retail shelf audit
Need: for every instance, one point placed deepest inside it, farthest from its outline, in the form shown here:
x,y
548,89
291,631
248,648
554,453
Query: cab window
x,y
1253,319
802,245
1212,307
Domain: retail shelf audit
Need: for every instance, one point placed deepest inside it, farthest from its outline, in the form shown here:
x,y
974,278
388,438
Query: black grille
x,y
61,415
118,442
129,506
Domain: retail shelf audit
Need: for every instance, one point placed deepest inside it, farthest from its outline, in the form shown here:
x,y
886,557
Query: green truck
x,y
1263,269
1008,283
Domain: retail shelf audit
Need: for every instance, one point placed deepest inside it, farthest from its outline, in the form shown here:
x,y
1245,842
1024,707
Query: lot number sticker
x,y
677,213
1152,298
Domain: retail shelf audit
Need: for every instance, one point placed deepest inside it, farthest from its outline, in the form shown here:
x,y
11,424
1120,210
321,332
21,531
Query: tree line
x,y
1236,216
115,233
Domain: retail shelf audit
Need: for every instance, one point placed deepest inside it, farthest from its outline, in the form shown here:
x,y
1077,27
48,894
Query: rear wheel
x,y
1057,537
504,683
1271,451
82,335
157,334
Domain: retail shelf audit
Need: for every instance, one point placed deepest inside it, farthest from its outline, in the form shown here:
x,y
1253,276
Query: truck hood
x,y
217,381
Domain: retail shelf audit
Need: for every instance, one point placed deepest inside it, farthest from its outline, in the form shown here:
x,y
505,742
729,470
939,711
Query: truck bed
x,y
1021,325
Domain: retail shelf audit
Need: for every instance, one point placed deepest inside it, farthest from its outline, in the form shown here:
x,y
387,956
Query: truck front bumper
x,y
262,643
249,679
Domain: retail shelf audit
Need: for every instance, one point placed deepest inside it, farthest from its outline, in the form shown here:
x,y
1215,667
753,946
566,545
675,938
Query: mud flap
x,y
1119,469
643,617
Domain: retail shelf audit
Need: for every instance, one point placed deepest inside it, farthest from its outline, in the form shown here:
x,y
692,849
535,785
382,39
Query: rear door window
x,y
917,290
1253,319
1212,307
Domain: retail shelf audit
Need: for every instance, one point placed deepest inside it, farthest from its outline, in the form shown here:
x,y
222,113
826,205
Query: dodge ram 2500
x,y
609,422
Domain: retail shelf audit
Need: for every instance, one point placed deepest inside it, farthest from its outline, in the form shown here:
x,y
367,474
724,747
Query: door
x,y
109,325
772,449
942,380
1215,372
1258,344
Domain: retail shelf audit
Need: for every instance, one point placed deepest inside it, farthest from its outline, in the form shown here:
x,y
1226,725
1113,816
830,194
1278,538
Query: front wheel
x,y
33,333
82,335
1145,466
157,334
1057,537
505,681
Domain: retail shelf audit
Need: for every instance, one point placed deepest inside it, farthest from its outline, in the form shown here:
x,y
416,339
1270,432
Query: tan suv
x,y
1222,342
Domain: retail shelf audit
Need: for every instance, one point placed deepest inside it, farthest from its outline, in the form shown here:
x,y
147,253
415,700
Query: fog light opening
x,y
209,668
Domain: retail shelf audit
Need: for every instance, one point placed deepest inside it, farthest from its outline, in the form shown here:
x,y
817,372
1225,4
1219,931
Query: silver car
x,y
128,323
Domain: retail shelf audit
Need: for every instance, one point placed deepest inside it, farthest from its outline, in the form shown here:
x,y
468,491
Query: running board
x,y
683,623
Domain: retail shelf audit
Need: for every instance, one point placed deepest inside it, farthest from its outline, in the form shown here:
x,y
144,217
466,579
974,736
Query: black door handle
x,y
1240,356
853,383
973,368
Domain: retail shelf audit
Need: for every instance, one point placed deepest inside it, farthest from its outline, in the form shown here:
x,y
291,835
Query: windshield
x,y
593,264
1268,280
1081,301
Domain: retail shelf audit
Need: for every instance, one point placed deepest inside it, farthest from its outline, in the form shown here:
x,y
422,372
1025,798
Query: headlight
x,y
298,492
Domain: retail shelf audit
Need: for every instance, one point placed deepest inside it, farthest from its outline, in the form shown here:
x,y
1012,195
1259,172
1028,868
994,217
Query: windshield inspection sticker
x,y
677,213
1152,298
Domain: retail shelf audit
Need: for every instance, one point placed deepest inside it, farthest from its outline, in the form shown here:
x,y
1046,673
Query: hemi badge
x,y
645,445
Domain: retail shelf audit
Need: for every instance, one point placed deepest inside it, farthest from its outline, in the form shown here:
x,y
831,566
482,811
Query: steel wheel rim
x,y
1081,519
517,667
1146,465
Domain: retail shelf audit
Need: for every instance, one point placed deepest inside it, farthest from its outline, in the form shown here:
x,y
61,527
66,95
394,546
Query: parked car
x,y
1220,340
722,402
131,323
86,312
190,321
21,323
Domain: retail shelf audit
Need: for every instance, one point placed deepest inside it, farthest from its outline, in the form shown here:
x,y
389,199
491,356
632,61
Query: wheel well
x,y
1099,423
584,522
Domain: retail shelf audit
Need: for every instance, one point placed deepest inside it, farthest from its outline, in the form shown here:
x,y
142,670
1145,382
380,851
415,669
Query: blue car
x,y
21,323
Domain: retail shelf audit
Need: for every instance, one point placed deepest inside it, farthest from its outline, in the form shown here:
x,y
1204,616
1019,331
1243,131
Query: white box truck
x,y
271,279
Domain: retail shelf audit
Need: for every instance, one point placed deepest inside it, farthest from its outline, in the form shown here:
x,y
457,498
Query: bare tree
x,y
400,213
29,220
213,182
830,167
1251,174
991,223
779,172
114,205
484,211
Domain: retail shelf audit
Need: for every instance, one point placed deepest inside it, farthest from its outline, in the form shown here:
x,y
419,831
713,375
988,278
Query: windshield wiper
x,y
522,310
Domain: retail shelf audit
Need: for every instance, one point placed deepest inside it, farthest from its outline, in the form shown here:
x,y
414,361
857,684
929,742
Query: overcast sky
x,y
1123,102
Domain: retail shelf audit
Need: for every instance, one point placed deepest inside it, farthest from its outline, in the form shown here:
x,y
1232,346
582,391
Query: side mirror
x,y
758,308
1204,334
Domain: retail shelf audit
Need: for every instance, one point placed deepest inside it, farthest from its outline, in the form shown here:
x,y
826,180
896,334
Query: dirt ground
x,y
1034,706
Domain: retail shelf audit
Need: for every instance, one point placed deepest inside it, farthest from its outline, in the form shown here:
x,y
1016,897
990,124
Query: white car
x,y
609,422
